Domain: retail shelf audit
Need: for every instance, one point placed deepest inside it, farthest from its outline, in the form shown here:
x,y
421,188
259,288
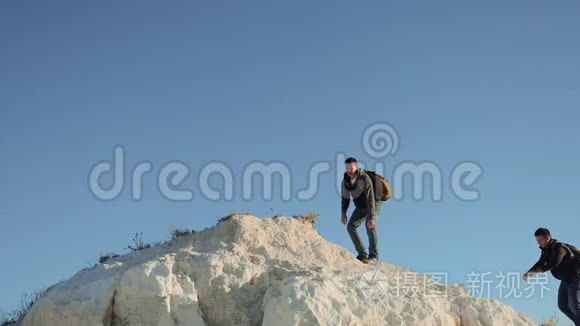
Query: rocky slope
x,y
251,271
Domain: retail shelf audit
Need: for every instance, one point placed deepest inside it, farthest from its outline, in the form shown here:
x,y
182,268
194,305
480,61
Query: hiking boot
x,y
362,258
371,259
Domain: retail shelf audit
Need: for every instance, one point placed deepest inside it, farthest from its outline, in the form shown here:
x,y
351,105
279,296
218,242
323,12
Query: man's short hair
x,y
350,160
542,232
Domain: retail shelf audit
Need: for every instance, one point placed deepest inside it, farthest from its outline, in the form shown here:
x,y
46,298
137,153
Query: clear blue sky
x,y
297,81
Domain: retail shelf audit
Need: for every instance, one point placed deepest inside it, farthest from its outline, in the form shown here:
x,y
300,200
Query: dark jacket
x,y
562,260
362,192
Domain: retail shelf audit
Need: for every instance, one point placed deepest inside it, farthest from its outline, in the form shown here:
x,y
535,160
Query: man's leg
x,y
356,219
372,234
563,300
574,301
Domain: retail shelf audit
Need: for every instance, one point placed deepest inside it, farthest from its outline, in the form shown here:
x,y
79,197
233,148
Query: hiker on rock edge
x,y
358,184
563,260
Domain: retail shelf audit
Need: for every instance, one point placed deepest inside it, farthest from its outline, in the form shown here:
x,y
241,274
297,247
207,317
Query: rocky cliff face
x,y
251,271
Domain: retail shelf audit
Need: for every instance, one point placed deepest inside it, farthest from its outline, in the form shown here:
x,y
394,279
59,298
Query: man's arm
x,y
370,197
544,264
556,259
538,267
345,197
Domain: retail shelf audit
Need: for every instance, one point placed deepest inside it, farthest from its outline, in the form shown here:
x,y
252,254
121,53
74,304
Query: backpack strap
x,y
567,248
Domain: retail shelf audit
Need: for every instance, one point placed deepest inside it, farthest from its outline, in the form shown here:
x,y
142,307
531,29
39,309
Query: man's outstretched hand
x,y
528,275
343,218
371,224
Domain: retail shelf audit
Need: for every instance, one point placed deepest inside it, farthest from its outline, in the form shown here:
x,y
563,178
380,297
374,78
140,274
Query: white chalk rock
x,y
250,271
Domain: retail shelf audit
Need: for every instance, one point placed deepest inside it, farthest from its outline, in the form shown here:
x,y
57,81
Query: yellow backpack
x,y
381,186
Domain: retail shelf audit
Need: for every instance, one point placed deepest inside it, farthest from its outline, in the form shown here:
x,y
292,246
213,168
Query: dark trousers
x,y
359,216
569,300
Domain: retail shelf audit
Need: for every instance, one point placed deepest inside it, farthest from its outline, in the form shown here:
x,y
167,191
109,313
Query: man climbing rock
x,y
563,260
358,184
